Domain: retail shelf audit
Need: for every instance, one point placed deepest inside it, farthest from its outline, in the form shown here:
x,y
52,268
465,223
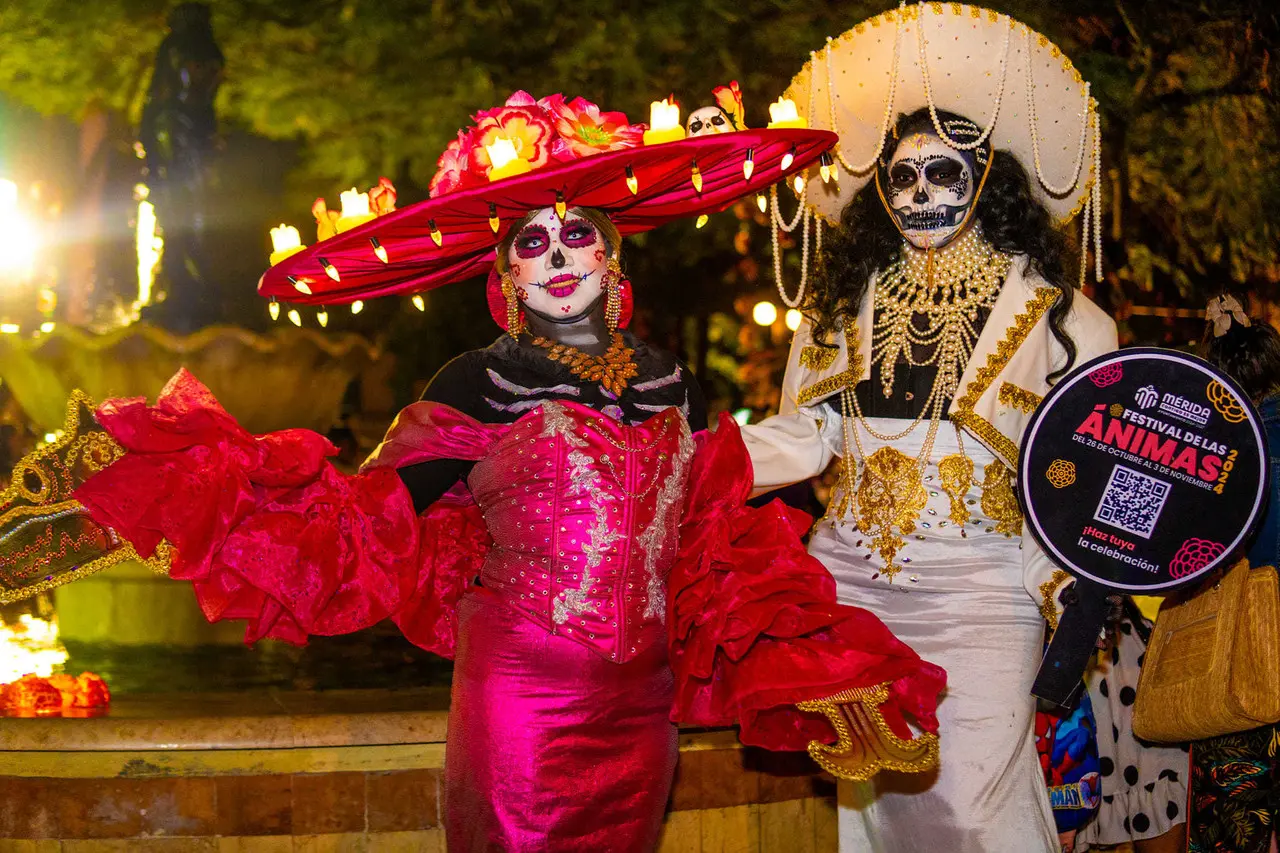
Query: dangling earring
x,y
514,324
613,294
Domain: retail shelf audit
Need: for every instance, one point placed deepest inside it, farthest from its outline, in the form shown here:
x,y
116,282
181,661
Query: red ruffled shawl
x,y
268,531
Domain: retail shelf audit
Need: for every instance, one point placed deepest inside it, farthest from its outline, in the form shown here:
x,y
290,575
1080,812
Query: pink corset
x,y
584,513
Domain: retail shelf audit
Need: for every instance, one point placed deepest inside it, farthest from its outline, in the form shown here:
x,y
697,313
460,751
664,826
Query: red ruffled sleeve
x,y
754,623
268,531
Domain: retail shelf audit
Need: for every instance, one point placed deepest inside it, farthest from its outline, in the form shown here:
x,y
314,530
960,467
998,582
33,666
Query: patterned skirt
x,y
1235,793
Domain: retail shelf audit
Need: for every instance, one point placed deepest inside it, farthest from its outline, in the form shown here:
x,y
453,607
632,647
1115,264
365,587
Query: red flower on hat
x,y
585,130
520,120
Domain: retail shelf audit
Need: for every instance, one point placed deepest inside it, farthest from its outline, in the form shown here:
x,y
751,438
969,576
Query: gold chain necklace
x,y
890,494
613,370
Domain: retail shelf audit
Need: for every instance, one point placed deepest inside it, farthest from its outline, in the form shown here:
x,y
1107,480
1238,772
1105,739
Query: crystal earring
x,y
514,324
613,294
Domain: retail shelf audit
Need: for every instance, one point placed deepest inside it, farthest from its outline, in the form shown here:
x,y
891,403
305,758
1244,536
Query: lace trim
x,y
665,516
844,379
1018,398
584,481
866,744
996,362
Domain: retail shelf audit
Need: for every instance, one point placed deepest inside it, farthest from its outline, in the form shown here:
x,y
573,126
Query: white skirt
x,y
960,603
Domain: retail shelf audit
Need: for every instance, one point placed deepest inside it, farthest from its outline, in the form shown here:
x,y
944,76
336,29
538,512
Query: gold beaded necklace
x,y
613,370
947,288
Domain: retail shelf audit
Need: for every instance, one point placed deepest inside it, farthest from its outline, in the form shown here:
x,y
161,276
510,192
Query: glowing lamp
x,y
792,319
664,123
355,210
764,313
695,175
274,310
379,250
788,158
782,113
285,243
46,327
762,202
301,285
322,317
701,221
9,328
504,161
357,306
294,317
436,236
798,183
419,302
749,164
633,183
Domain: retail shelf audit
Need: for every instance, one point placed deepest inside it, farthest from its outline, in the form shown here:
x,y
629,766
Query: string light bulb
x,y
379,249
357,307
435,233
419,302
301,285
798,183
561,207
788,158
762,202
701,221
695,175
322,317
633,183
295,318
494,222
749,164
274,310
329,269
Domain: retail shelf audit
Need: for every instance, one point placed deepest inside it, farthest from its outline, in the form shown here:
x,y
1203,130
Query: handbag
x,y
1212,666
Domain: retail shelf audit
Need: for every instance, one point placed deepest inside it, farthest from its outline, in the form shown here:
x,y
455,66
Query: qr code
x,y
1132,501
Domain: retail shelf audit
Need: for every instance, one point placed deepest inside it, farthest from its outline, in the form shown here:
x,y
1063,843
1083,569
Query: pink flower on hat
x,y
452,172
585,130
520,120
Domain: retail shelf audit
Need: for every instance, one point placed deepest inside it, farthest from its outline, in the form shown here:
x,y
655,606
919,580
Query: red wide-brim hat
x,y
348,267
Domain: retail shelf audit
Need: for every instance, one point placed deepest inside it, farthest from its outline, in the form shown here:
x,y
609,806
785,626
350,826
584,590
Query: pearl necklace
x,y
947,288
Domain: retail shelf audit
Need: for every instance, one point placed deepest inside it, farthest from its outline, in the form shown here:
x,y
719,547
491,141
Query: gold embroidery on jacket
x,y
844,379
1018,398
997,361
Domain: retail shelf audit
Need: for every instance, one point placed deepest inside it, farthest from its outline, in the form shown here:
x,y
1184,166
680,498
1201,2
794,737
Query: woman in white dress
x,y
940,315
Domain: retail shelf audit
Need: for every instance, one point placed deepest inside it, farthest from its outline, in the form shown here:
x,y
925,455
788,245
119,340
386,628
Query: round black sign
x,y
1143,469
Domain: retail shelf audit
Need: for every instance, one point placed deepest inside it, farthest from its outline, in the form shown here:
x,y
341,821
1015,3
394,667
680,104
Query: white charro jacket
x,y
1002,384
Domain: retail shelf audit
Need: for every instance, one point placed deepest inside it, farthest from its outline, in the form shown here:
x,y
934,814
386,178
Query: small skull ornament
x,y
706,121
929,189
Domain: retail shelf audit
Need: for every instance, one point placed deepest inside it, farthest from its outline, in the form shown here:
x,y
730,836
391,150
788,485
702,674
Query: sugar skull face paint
x,y
929,188
558,267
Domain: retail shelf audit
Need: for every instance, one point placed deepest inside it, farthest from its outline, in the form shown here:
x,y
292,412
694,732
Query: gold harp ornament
x,y
865,742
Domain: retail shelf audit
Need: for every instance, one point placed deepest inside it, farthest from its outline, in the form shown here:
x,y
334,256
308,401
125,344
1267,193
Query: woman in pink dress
x,y
553,514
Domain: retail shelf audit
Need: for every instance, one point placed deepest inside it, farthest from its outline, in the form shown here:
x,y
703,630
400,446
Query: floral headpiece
x,y
541,132
1222,310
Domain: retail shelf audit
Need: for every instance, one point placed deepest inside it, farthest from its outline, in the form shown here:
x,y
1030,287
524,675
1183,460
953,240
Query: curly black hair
x,y
867,241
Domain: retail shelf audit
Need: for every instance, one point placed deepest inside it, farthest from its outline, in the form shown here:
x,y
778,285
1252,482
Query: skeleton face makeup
x,y
558,267
707,121
929,188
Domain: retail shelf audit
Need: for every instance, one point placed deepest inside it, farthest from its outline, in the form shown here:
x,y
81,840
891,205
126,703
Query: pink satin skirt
x,y
551,748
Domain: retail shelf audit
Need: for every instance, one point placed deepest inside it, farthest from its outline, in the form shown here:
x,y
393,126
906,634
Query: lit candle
x,y
783,113
355,210
284,243
504,161
664,123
